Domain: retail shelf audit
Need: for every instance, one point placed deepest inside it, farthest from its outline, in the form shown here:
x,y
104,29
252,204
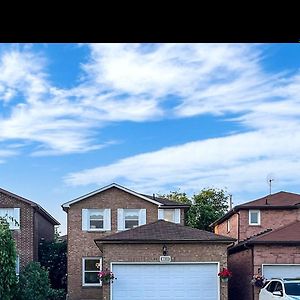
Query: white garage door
x,y
281,271
165,282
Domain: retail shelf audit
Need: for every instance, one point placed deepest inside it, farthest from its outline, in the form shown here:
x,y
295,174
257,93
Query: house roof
x,y
280,200
161,202
163,232
286,235
41,210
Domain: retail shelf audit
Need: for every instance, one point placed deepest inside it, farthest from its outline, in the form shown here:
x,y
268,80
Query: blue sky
x,y
152,117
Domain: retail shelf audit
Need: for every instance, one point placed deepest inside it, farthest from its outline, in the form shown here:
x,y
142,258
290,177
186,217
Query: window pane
x,y
95,224
169,215
91,277
271,286
254,217
90,264
131,223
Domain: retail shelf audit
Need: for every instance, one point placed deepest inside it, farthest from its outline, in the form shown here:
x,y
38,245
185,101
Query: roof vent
x,y
153,196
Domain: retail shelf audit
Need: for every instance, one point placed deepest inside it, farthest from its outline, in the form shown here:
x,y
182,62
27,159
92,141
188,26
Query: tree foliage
x,y
34,283
208,205
53,256
8,278
177,196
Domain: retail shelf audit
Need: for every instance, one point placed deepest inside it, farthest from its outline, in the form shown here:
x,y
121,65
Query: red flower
x,y
225,273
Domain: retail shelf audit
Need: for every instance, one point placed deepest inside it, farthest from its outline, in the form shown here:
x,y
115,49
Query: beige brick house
x,y
33,224
143,241
267,231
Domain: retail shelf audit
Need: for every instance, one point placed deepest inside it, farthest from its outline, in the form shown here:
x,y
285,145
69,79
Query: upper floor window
x,y
12,215
90,269
130,218
228,225
96,219
254,217
171,215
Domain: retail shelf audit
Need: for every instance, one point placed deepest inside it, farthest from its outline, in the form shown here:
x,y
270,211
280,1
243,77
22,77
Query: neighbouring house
x,y
143,241
267,231
32,224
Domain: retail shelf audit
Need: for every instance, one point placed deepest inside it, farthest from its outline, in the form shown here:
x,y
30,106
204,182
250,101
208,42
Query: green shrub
x,y
57,294
8,278
34,283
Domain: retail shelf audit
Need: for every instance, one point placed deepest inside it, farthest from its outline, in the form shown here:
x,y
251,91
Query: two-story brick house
x,y
128,232
32,224
267,231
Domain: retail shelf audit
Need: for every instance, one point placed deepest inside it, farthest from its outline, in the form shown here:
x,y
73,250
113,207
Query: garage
x,y
281,271
164,261
166,281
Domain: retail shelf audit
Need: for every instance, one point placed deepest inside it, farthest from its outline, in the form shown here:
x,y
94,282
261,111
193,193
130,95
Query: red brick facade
x,y
33,227
81,243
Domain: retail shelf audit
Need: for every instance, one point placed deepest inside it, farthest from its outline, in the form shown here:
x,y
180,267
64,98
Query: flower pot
x,y
224,279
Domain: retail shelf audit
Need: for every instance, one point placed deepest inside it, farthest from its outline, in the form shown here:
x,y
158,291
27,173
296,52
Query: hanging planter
x,y
106,277
224,275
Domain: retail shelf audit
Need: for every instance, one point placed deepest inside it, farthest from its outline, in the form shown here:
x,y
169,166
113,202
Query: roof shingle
x,y
163,231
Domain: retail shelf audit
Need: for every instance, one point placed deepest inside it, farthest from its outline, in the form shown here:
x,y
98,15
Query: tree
x,y
177,196
8,278
208,205
53,256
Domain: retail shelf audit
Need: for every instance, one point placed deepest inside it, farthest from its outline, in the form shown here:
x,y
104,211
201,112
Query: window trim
x,y
176,214
258,217
124,217
89,219
83,270
18,265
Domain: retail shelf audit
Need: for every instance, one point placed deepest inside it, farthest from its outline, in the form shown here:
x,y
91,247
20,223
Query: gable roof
x,y
161,202
162,231
36,206
286,235
280,200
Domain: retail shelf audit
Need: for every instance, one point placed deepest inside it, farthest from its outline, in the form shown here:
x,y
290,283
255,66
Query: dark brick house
x,y
128,233
33,224
268,239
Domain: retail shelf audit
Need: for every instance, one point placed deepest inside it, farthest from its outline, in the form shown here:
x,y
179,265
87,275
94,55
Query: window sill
x,y
91,286
255,225
97,230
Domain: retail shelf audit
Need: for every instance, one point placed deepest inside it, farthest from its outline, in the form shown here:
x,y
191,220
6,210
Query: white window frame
x,y
138,217
228,225
83,270
258,217
142,217
176,211
86,213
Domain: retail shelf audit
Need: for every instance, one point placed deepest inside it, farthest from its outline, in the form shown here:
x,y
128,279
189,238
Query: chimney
x,y
153,196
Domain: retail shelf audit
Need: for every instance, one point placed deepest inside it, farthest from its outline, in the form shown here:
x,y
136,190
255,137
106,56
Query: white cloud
x,y
240,162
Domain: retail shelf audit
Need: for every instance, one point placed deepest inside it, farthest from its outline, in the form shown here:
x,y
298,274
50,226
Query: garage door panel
x,y
165,282
281,271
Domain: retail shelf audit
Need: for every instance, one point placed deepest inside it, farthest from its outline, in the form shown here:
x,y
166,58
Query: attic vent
x,y
267,201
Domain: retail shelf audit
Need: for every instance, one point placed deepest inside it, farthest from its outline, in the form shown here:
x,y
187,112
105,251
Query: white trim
x,y
67,204
258,217
170,263
18,265
83,270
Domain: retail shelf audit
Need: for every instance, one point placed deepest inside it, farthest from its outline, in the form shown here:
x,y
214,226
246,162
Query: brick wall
x,y
24,235
43,229
241,265
81,243
269,219
222,228
178,252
